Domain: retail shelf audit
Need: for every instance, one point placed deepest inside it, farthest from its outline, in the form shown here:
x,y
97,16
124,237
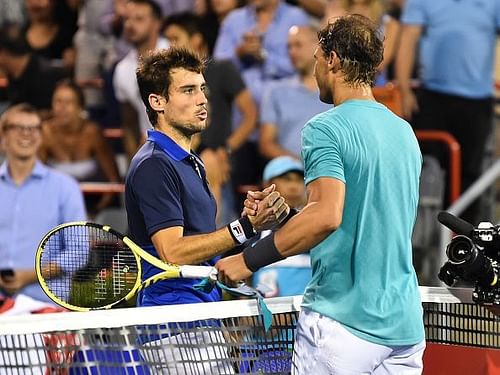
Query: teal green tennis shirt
x,y
363,275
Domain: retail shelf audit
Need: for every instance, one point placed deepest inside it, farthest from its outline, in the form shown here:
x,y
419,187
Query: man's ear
x,y
333,62
156,102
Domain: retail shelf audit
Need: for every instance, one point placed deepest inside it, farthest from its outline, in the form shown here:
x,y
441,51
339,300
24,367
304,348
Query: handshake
x,y
263,210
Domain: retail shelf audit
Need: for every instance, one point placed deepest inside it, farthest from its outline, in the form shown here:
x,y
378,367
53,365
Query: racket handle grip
x,y
199,272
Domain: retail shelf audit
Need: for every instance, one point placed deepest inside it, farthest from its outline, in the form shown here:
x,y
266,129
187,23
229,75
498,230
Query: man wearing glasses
x,y
33,199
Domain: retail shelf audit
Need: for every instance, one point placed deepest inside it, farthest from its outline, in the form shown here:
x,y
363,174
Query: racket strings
x,y
87,266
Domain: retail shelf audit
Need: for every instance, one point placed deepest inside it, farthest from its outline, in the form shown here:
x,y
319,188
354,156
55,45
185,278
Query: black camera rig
x,y
473,256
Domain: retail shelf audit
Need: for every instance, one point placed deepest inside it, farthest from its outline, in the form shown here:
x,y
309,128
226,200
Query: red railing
x,y
455,167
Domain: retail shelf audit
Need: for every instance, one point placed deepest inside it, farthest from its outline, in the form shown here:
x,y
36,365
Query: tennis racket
x,y
85,266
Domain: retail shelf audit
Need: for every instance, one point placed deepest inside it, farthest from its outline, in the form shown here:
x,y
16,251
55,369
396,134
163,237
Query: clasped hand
x,y
266,209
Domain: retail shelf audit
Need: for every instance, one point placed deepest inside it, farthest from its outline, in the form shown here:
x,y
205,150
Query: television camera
x,y
473,256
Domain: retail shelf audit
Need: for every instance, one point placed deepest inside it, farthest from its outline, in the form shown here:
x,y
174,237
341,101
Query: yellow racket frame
x,y
170,270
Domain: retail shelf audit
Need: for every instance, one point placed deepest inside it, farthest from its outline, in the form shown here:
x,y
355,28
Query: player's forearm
x,y
299,234
197,248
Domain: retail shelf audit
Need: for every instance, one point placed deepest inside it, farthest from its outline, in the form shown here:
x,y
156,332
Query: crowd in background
x,y
75,60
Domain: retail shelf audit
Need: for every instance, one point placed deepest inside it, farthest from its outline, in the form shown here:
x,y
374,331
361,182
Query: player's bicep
x,y
329,195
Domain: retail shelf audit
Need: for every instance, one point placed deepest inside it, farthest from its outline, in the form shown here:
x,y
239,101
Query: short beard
x,y
186,130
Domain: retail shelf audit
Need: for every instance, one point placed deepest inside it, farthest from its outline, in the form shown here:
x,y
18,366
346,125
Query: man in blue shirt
x,y
361,311
171,211
33,200
456,43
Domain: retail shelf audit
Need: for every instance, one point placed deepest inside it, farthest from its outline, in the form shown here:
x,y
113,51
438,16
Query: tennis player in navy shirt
x,y
171,211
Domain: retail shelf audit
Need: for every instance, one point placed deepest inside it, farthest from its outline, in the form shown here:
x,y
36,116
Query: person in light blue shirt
x,y
290,102
33,200
257,46
361,312
456,43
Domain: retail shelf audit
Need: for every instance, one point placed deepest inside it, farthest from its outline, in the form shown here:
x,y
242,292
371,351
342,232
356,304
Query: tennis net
x,y
212,338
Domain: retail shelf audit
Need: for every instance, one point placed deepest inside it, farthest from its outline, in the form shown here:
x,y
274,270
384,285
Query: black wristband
x,y
263,253
241,229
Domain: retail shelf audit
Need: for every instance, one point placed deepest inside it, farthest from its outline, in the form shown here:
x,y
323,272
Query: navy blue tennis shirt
x,y
166,187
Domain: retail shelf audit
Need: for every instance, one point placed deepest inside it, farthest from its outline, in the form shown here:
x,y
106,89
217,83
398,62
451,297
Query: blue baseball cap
x,y
281,165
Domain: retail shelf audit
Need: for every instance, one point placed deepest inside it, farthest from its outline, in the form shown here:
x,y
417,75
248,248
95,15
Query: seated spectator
x,y
34,199
76,146
289,276
50,29
289,103
31,77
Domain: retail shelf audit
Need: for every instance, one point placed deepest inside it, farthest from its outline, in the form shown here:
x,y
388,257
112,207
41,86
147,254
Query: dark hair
x,y
357,42
69,83
187,21
13,41
155,7
153,73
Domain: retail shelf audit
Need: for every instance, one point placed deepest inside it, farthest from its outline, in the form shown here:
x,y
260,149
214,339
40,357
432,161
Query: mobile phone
x,y
6,272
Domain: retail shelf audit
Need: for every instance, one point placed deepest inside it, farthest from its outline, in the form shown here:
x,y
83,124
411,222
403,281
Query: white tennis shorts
x,y
323,346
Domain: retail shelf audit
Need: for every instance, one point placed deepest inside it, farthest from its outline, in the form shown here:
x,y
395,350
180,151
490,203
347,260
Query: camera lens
x,y
461,250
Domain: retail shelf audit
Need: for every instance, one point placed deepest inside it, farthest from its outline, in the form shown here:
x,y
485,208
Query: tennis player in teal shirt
x,y
362,311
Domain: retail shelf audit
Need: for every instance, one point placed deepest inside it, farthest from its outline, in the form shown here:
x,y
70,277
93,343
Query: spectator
x,y
255,38
291,102
50,29
456,53
225,89
33,197
287,174
31,77
142,29
76,146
